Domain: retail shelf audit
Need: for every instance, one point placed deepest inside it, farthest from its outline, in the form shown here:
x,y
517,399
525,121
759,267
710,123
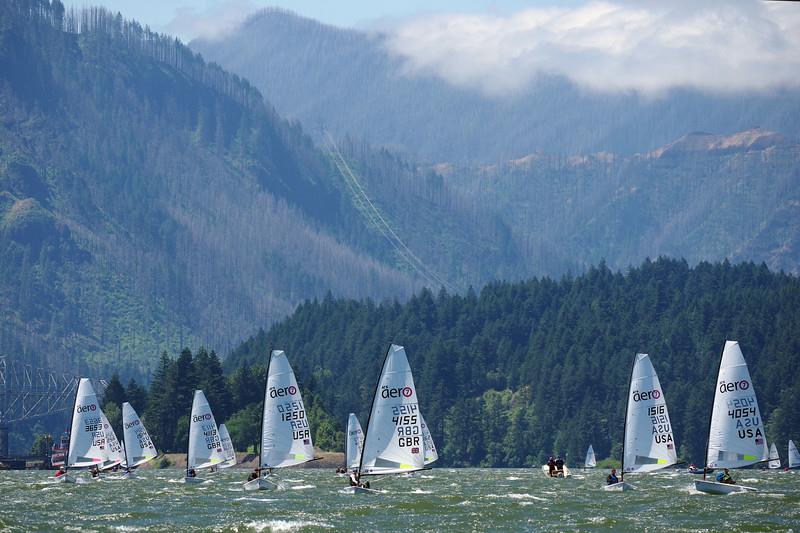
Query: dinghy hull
x,y
713,487
619,487
66,478
558,475
259,484
357,490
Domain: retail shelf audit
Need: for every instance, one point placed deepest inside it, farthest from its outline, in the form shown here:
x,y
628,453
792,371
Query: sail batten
x,y
649,443
286,434
736,435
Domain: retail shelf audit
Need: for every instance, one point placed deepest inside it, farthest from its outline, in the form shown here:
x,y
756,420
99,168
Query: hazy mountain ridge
x,y
348,82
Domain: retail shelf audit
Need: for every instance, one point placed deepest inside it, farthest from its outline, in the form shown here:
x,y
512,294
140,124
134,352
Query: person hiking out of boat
x,y
551,464
95,472
253,475
612,477
354,479
725,477
559,466
61,471
191,473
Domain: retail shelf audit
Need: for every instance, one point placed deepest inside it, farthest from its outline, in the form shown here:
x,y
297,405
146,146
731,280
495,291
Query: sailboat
x,y
774,458
285,433
393,442
431,454
114,451
354,444
227,447
205,446
735,434
648,443
590,461
87,441
137,445
794,456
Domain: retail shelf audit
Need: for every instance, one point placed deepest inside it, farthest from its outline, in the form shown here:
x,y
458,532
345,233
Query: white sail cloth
x,y
355,442
114,450
227,447
139,447
590,461
774,458
794,455
286,434
205,446
431,454
649,444
87,444
393,442
736,436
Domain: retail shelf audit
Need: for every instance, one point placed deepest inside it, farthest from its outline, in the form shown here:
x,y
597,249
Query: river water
x,y
439,500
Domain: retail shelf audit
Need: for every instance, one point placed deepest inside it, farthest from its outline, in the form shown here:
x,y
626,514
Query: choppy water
x,y
439,500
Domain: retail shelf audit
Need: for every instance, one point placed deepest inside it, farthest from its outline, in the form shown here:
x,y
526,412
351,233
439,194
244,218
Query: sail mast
x,y
625,431
263,414
711,417
371,407
71,421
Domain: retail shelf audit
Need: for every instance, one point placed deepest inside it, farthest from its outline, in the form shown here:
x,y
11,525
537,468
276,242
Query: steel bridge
x,y
27,392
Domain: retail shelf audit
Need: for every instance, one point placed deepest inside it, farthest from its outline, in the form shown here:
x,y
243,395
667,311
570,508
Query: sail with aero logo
x,y
139,448
649,444
87,444
205,446
227,447
736,432
286,435
430,447
393,442
114,451
355,442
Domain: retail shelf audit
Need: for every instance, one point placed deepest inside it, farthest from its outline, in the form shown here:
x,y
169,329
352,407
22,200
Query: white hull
x,y
259,484
619,487
357,490
546,472
713,487
66,478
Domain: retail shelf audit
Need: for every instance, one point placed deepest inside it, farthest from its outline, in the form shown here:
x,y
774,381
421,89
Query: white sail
x,y
205,448
285,435
590,461
649,444
430,447
393,441
227,447
774,458
736,437
794,455
87,443
355,442
114,450
139,448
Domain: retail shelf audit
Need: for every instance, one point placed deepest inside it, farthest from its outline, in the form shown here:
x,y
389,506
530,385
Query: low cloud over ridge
x,y
721,46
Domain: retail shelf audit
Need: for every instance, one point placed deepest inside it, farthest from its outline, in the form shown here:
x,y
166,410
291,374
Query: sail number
x,y
405,418
211,436
662,432
745,412
295,413
94,427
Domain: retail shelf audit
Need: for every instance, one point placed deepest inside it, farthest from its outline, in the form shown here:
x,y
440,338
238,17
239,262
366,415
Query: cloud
x,y
214,22
649,47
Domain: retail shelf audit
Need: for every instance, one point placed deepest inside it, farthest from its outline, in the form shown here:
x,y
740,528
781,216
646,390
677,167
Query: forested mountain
x,y
348,82
521,370
149,200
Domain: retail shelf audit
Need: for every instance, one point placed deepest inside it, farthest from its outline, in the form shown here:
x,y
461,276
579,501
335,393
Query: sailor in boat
x,y
725,477
95,472
61,471
612,478
254,474
355,480
551,464
191,473
559,467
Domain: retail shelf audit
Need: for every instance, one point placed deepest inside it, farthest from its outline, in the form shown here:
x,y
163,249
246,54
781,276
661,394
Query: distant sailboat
x,y
648,443
794,456
137,445
431,454
590,461
735,435
87,441
114,451
285,433
774,458
354,444
227,447
205,446
393,441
